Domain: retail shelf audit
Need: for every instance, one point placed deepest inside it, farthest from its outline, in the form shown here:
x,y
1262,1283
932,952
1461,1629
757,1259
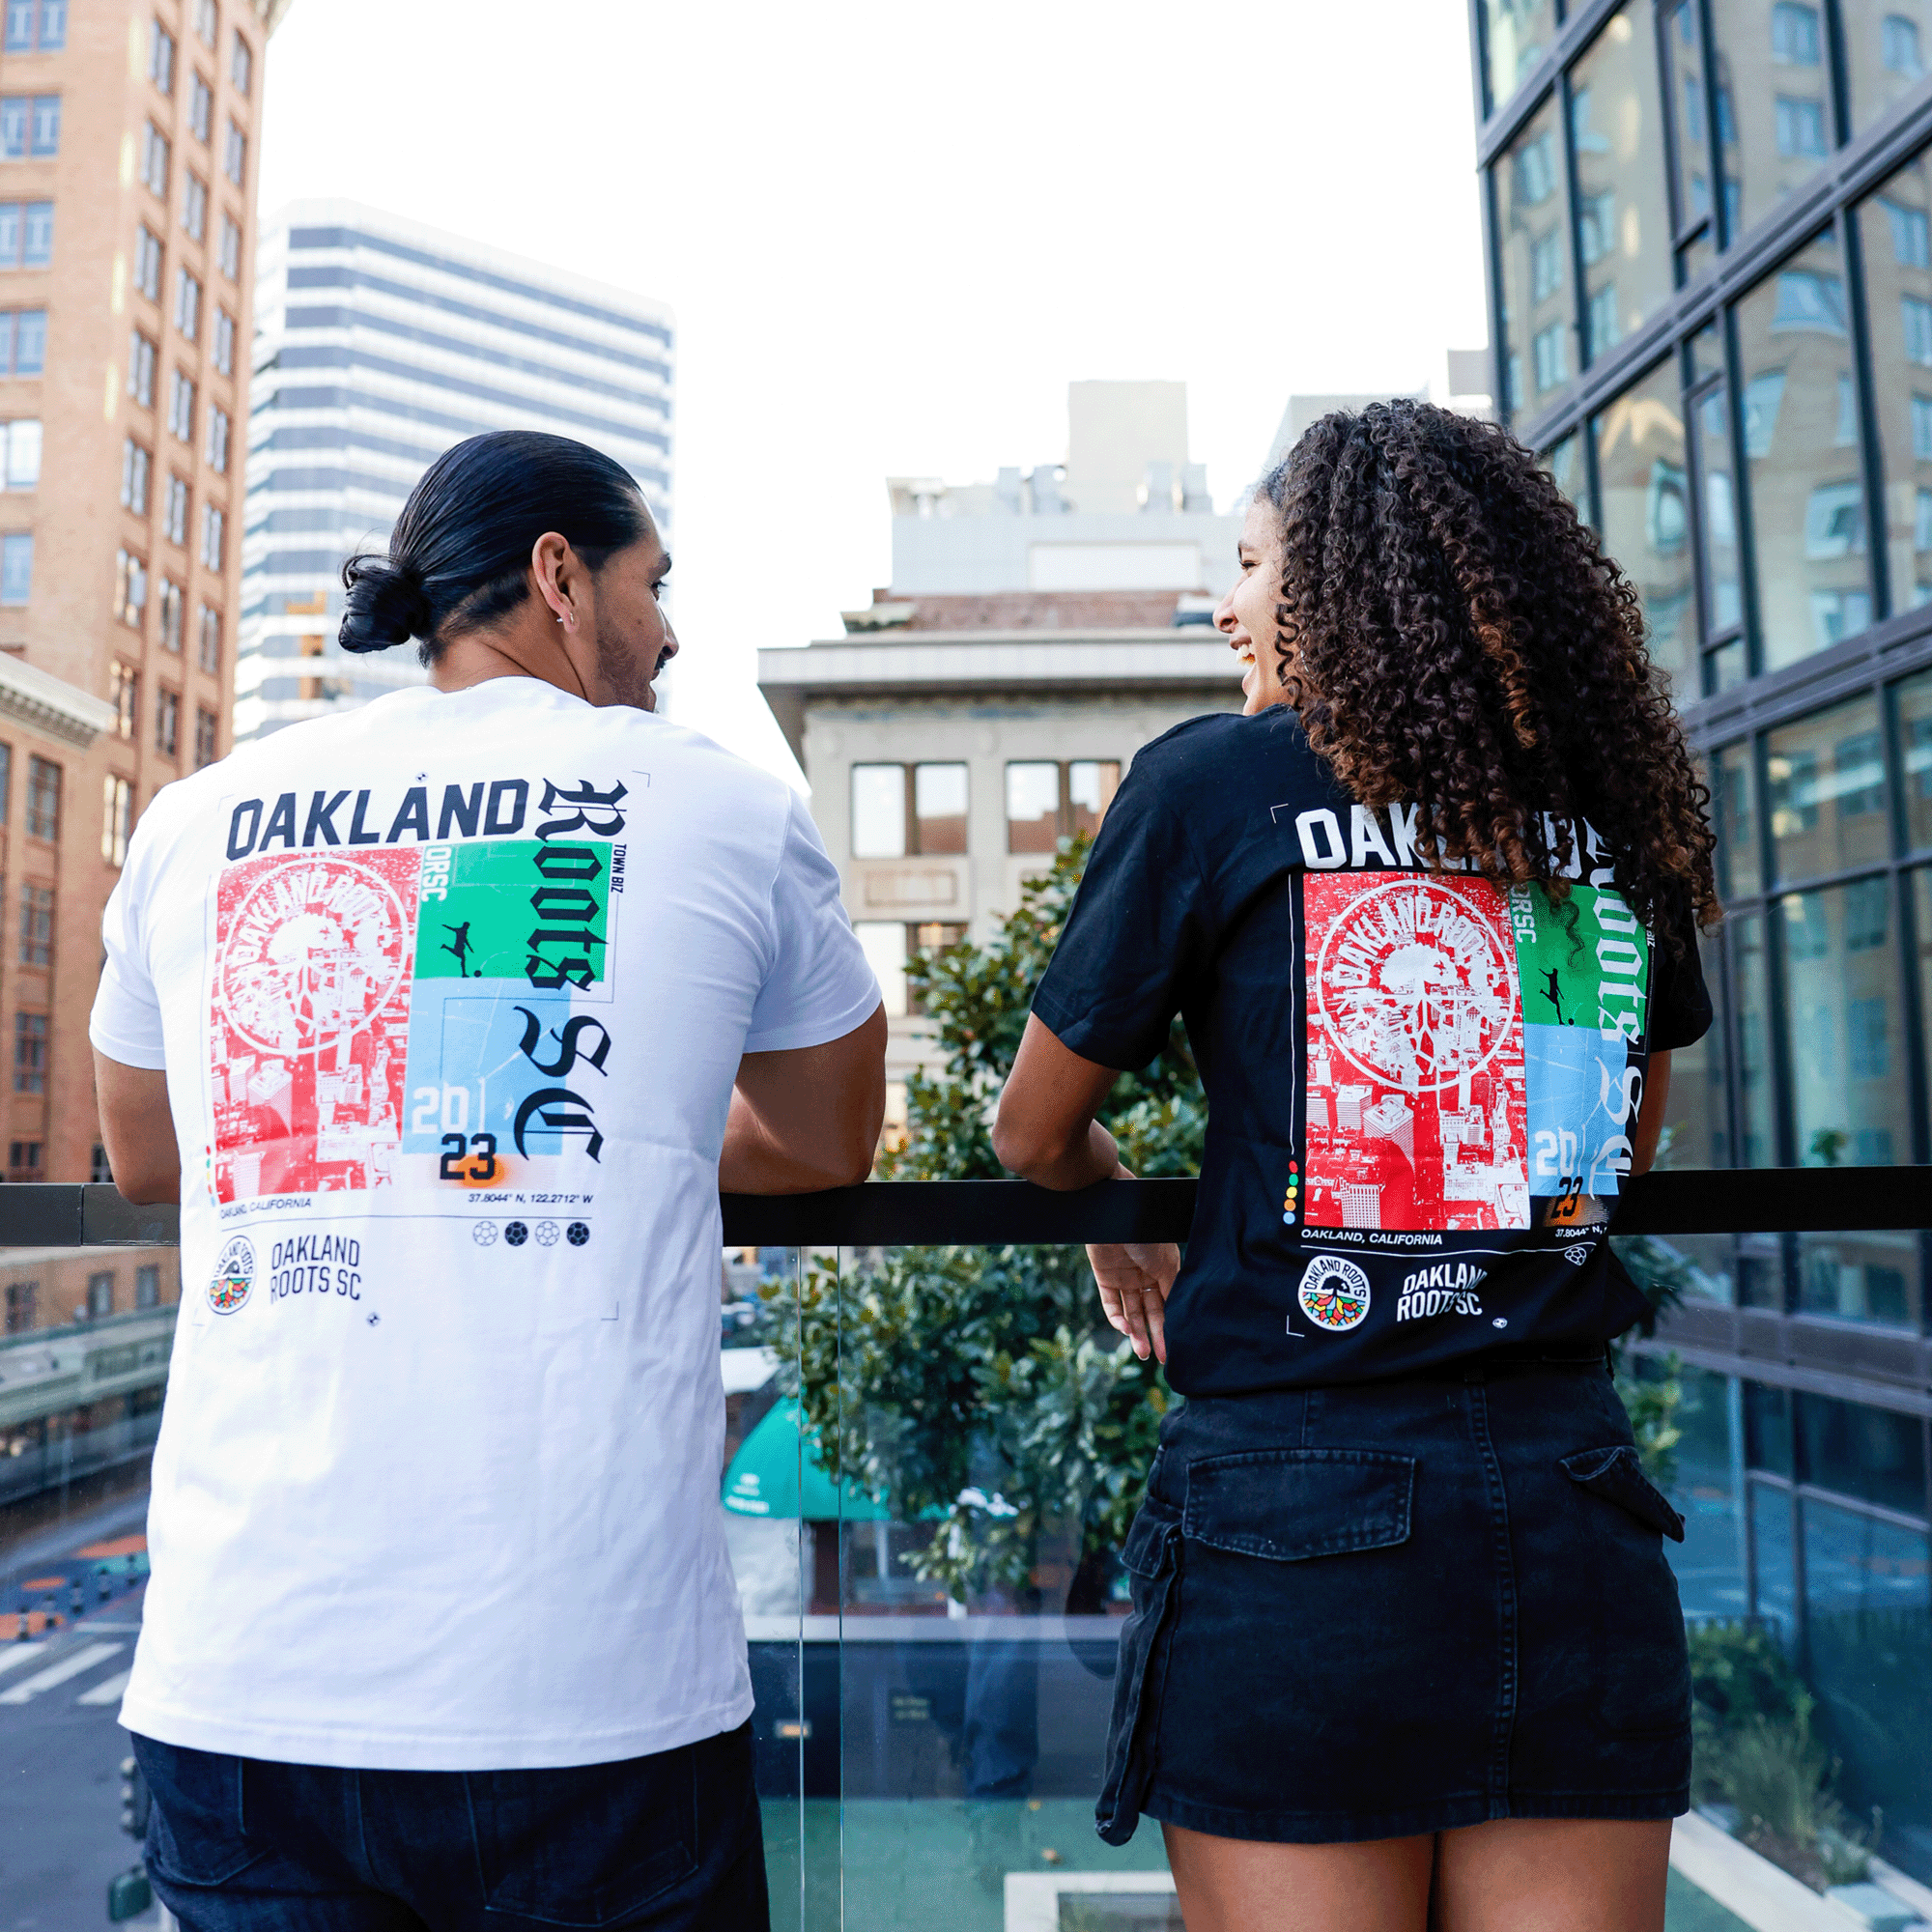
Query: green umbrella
x,y
768,1472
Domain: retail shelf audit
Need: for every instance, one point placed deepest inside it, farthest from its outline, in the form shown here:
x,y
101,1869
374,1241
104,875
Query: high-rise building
x,y
129,145
381,343
1038,631
1710,225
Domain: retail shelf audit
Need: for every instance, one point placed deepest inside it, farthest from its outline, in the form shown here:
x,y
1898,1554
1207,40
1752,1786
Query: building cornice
x,y
50,704
981,664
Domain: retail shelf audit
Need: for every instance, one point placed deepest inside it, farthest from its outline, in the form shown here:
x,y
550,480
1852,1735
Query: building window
x,y
171,602
207,737
99,1296
23,341
148,262
37,926
1801,127
160,57
29,125
234,156
154,166
147,1284
208,642
136,465
35,26
130,588
1551,350
181,405
240,64
218,438
897,810
1794,34
22,1310
1898,47
1808,299
1910,234
205,20
16,567
141,369
878,811
230,253
1091,785
167,722
214,535
30,1053
884,945
939,808
224,342
97,1169
117,818
125,695
1546,265
188,304
20,452
6,780
194,207
174,511
200,109
43,799
26,234
24,1159
1033,807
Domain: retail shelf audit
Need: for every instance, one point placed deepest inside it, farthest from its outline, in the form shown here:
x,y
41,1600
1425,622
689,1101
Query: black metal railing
x,y
968,1213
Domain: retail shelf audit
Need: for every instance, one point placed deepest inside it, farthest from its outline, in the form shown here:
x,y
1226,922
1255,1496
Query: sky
x,y
894,233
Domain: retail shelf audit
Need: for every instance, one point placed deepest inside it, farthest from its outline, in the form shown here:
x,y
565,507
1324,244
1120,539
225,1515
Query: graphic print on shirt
x,y
418,1015
1469,1051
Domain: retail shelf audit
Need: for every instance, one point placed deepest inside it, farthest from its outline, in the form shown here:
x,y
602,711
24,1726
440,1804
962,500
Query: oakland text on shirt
x,y
1388,842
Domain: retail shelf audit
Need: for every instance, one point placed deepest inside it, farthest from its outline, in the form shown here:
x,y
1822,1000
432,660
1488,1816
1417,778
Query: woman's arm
x,y
1650,1113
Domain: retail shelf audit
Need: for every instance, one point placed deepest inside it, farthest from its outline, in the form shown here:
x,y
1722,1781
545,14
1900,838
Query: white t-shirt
x,y
451,991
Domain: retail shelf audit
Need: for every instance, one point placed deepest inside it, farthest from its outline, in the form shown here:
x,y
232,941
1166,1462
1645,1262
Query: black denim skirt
x,y
1397,1608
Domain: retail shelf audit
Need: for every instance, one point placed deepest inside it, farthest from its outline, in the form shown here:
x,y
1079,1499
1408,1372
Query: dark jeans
x,y
672,1841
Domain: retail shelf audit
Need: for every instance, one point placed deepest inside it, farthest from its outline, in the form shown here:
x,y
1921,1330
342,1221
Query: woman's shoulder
x,y
1218,753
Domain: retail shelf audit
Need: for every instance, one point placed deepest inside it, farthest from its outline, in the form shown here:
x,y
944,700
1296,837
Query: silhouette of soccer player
x,y
1555,997
460,951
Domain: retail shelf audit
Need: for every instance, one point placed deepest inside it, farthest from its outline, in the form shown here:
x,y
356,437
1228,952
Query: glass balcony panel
x,y
1644,487
1623,226
1514,34
1826,776
1696,1132
1710,1561
1774,1577
1896,227
1886,46
1751,991
1774,90
1922,940
1871,1278
1914,746
1868,1661
1723,587
1538,303
1877,1455
1845,1040
1767,1416
1802,446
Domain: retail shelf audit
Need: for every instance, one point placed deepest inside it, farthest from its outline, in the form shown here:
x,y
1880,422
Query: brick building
x,y
128,149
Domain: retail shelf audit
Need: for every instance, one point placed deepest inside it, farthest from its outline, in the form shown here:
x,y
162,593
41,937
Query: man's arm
x,y
137,1129
809,1118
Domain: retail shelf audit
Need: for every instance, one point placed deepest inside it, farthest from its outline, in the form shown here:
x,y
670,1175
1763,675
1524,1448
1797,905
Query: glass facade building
x,y
1710,234
378,344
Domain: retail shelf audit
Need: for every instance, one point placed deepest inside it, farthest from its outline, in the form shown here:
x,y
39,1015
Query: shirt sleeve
x,y
126,1023
1137,932
820,985
1680,1003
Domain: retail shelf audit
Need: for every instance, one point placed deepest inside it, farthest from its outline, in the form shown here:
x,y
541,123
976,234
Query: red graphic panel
x,y
309,1031
1418,1110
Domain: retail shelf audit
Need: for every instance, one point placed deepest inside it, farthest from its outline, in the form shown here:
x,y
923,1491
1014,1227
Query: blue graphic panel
x,y
1581,1109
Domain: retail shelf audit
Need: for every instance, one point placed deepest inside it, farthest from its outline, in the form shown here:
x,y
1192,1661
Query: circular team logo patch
x,y
1334,1292
234,1276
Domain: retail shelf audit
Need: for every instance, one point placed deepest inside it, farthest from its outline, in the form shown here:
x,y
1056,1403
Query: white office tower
x,y
380,342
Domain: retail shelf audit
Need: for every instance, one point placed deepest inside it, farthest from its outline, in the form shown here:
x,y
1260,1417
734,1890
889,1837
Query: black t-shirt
x,y
1421,1086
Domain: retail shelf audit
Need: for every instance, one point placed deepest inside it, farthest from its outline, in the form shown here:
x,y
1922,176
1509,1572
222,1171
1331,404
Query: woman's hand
x,y
1133,1278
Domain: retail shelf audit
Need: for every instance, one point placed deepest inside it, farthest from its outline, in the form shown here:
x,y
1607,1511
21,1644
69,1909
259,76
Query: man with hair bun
x,y
446,1020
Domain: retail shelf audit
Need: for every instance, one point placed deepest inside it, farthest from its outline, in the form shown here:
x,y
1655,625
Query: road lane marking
x,y
19,1654
71,1665
108,1691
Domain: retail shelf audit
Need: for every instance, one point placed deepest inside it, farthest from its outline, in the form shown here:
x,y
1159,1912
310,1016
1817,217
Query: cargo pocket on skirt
x,y
1151,1560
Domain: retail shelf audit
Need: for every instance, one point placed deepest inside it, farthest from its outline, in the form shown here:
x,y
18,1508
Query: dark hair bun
x,y
387,605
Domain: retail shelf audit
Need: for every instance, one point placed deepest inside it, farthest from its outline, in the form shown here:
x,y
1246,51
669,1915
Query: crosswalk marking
x,y
108,1691
17,1654
71,1665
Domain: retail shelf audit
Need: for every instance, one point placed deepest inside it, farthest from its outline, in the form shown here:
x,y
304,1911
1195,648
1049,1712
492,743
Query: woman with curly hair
x,y
1405,1649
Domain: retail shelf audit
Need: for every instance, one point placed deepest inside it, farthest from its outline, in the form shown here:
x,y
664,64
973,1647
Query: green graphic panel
x,y
490,908
1584,962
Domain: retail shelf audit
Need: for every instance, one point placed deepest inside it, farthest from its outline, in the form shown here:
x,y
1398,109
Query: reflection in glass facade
x,y
1642,487
1886,50
1516,34
1774,109
1537,357
1895,229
